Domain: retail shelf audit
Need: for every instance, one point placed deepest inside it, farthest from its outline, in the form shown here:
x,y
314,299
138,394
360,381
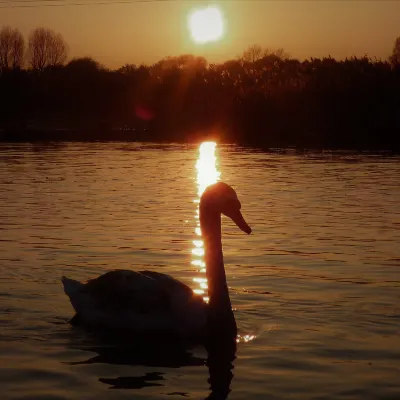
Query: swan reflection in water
x,y
214,198
145,352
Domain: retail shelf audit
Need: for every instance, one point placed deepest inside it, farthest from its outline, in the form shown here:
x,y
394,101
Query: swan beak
x,y
237,217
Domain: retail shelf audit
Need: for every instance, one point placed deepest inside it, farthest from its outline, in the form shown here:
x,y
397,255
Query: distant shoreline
x,y
272,102
70,135
121,135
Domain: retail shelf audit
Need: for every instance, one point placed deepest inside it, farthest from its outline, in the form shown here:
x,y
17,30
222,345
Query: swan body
x,y
152,302
144,301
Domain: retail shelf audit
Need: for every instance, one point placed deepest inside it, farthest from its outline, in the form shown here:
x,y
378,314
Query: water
x,y
315,287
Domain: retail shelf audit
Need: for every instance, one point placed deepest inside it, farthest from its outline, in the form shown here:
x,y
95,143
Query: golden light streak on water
x,y
245,338
207,174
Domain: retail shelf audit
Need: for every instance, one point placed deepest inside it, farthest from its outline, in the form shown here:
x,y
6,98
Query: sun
x,y
206,25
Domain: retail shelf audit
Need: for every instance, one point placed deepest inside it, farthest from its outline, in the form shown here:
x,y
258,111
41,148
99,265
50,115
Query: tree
x,y
186,62
280,53
84,65
256,52
127,69
12,46
395,57
46,49
252,53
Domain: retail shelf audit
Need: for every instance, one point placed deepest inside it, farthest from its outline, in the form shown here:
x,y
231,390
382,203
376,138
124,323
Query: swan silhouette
x,y
149,302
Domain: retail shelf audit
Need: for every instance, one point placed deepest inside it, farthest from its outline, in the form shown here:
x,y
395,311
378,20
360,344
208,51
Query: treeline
x,y
262,98
46,48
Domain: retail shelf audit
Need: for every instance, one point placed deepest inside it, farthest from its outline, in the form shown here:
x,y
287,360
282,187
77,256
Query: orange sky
x,y
144,32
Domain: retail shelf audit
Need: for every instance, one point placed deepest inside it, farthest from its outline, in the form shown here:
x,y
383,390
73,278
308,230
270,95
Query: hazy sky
x,y
144,32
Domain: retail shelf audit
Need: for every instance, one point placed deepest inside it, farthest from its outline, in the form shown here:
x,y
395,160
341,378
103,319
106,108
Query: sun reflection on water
x,y
245,338
207,174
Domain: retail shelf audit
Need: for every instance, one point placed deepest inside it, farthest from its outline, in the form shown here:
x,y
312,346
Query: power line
x,y
30,1
63,3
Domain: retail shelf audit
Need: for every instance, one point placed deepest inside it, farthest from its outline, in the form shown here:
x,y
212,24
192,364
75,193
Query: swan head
x,y
220,198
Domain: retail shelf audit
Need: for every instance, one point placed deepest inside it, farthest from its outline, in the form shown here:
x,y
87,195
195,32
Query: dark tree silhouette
x,y
84,65
252,53
187,62
395,57
255,52
127,69
12,47
272,101
46,49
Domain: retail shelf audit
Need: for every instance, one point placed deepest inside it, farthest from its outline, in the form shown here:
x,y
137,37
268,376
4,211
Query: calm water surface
x,y
316,287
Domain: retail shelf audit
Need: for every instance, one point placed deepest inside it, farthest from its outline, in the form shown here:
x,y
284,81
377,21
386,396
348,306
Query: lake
x,y
315,287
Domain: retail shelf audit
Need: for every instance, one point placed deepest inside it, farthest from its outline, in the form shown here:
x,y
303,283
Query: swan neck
x,y
210,223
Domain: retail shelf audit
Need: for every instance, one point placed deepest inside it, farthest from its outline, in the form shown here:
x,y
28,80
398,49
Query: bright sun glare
x,y
206,25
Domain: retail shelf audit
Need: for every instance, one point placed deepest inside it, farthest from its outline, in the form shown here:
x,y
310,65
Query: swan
x,y
153,302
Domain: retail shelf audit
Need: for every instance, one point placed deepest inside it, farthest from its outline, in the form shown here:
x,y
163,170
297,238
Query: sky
x,y
146,31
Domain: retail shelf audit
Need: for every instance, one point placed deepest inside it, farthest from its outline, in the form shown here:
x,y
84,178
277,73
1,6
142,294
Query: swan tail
x,y
71,286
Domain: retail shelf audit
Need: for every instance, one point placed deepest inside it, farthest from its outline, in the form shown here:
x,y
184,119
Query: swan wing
x,y
142,301
180,295
188,307
171,285
121,289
